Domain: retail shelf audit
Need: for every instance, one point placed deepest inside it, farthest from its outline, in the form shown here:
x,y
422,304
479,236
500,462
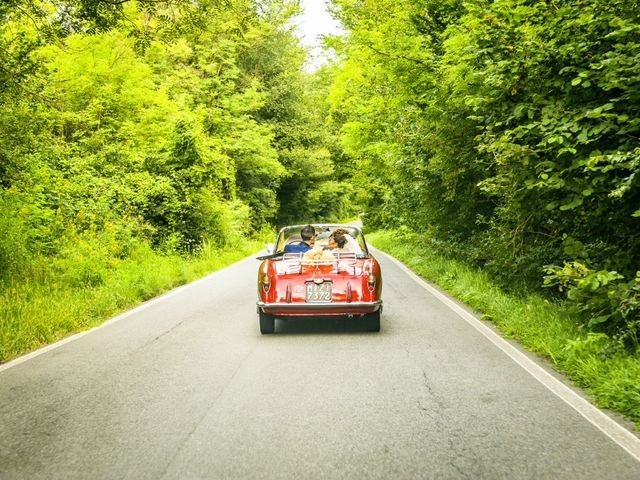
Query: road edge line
x,y
616,432
121,316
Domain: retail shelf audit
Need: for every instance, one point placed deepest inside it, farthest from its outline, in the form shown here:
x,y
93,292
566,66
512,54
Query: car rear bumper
x,y
334,308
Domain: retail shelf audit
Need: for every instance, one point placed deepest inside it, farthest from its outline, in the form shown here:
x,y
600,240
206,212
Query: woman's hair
x,y
339,236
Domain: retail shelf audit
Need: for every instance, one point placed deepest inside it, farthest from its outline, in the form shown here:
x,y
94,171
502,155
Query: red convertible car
x,y
328,279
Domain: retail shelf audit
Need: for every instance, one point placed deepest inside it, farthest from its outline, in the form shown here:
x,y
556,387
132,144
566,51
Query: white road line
x,y
122,316
616,432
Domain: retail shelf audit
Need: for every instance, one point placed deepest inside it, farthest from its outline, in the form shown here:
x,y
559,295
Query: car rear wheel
x,y
267,323
373,321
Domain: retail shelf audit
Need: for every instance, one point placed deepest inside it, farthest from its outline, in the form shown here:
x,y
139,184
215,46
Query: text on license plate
x,y
318,292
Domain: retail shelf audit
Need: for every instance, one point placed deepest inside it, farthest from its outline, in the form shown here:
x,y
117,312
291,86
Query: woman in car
x,y
338,242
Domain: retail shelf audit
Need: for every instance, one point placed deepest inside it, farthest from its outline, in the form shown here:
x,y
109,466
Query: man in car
x,y
308,235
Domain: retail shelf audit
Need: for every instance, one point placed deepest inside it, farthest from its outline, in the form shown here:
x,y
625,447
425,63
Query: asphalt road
x,y
187,388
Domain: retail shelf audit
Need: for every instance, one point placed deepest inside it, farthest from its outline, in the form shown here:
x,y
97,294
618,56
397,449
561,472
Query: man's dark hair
x,y
307,232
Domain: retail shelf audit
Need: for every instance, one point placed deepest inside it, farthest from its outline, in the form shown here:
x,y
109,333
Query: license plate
x,y
318,292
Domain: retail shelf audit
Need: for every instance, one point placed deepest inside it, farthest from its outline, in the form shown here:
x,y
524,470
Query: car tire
x,y
267,323
373,321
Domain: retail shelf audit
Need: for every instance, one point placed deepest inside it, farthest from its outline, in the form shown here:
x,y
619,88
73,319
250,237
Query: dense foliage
x,y
505,131
167,123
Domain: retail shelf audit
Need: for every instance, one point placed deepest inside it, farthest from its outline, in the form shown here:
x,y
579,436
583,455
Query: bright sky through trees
x,y
314,22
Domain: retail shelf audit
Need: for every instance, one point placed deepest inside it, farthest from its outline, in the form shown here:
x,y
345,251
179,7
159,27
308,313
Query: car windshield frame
x,y
322,230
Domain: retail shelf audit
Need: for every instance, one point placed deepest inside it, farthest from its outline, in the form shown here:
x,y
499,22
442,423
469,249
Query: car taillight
x,y
266,282
371,282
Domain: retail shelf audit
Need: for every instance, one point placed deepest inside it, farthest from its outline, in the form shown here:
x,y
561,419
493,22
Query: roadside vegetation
x,y
83,290
509,133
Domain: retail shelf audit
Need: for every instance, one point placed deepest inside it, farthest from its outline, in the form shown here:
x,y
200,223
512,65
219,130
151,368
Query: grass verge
x,y
48,306
546,327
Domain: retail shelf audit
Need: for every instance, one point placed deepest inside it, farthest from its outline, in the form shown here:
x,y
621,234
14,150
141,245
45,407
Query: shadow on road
x,y
297,325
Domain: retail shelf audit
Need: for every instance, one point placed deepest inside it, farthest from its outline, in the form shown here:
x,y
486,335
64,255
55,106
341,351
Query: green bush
x,y
88,282
606,301
13,243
